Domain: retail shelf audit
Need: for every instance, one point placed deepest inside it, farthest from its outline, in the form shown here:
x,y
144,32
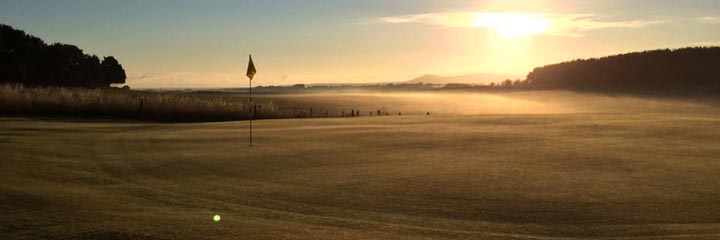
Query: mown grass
x,y
118,103
536,176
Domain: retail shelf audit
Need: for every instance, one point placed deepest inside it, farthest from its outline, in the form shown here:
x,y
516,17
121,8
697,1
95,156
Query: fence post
x,y
310,112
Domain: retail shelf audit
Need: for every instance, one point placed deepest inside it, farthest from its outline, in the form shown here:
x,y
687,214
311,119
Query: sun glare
x,y
513,25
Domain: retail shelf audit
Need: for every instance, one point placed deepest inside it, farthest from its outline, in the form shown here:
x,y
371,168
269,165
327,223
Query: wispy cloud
x,y
707,44
178,79
710,19
443,19
197,79
556,24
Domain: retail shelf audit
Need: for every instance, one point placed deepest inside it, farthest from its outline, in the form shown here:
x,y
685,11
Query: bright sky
x,y
167,43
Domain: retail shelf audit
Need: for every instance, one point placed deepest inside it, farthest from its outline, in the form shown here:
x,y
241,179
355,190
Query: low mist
x,y
457,103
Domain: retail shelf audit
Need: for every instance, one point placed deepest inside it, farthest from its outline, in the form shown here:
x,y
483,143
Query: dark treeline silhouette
x,y
28,60
686,69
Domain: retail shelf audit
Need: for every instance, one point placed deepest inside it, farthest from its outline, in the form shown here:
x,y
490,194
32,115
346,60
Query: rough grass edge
x,y
114,103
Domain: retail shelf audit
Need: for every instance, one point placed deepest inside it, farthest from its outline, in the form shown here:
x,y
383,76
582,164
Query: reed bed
x,y
118,103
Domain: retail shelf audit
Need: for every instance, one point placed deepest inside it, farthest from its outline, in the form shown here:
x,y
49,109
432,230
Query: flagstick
x,y
252,111
250,74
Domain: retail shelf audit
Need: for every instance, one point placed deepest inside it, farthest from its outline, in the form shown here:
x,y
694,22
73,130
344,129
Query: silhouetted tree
x,y
665,70
506,83
517,83
28,60
114,72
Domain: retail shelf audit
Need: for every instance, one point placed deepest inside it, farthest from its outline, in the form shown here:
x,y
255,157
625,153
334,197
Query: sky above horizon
x,y
198,44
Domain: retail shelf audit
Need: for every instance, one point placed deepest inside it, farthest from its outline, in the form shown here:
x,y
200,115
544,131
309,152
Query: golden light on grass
x,y
513,25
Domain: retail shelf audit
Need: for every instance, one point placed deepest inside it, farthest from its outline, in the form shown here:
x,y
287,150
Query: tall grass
x,y
118,103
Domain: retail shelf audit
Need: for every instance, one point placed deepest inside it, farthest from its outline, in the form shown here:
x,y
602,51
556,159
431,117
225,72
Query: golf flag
x,y
250,74
251,69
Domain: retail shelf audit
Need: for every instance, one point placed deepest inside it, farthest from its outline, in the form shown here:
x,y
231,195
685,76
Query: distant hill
x,y
680,70
464,79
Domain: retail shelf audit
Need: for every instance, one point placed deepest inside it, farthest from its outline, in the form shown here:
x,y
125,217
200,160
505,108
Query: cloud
x,y
707,44
179,79
710,19
446,19
555,24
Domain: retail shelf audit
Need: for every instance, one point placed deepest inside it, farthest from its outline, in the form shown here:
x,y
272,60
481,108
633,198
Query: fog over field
x,y
472,103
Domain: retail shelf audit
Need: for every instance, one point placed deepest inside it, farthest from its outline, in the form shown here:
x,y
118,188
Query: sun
x,y
513,25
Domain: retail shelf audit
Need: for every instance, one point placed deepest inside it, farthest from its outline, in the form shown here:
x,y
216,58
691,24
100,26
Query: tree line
x,y
696,68
28,60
